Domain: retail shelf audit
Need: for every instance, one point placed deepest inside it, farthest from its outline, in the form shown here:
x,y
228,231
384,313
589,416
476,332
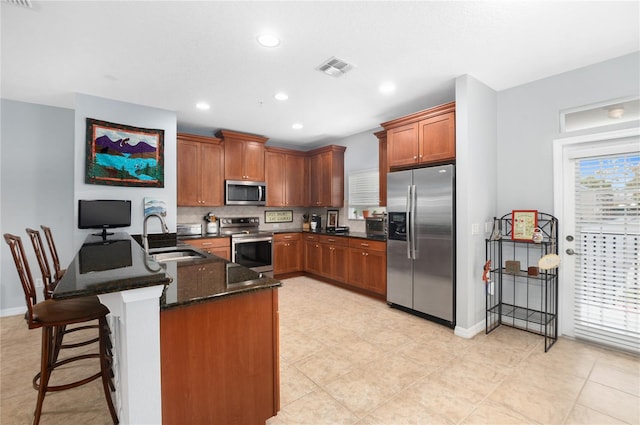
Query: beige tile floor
x,y
349,359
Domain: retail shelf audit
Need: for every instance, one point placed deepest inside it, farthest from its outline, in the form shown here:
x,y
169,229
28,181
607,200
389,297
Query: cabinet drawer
x,y
367,244
336,240
312,238
209,243
284,237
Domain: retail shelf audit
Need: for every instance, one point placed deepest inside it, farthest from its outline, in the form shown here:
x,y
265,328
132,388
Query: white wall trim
x,y
14,311
469,333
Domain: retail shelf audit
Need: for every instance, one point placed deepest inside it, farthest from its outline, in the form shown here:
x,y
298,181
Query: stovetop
x,y
239,227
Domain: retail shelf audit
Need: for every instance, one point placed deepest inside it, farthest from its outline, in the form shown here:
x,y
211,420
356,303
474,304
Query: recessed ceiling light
x,y
268,40
297,126
281,96
387,88
203,106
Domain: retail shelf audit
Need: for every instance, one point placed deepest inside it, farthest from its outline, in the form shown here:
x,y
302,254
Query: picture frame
x,y
523,224
332,218
279,216
123,155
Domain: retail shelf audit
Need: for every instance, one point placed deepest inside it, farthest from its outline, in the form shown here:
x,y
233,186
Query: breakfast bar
x,y
154,302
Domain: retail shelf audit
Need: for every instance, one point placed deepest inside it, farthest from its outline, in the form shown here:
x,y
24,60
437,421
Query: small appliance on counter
x,y
189,229
211,224
376,225
316,222
338,229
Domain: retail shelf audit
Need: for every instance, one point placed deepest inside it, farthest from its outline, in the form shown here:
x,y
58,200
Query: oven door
x,y
253,252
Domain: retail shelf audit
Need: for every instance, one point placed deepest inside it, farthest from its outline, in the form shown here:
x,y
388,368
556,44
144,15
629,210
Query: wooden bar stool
x,y
54,252
53,316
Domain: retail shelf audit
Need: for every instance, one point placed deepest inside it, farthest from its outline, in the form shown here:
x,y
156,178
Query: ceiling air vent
x,y
21,3
335,67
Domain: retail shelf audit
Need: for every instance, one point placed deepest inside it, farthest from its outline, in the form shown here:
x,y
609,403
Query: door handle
x,y
570,251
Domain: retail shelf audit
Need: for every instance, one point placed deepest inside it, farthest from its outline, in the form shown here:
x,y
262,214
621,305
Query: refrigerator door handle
x,y
414,239
408,221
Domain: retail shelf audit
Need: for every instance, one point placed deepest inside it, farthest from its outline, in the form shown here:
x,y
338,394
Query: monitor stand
x,y
104,234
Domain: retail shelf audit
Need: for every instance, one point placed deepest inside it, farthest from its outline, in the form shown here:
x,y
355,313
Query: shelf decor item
x,y
524,223
122,155
332,218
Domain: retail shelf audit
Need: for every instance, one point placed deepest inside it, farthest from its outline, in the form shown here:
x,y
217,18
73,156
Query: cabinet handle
x,y
420,156
332,240
207,243
415,157
364,244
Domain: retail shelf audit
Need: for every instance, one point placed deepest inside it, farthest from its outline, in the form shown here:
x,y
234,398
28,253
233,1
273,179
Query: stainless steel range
x,y
249,246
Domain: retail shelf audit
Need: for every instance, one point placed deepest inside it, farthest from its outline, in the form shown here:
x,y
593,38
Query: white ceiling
x,y
173,54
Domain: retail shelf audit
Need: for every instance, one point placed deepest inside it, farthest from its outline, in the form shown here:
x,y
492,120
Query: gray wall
x,y
138,116
37,185
476,195
529,121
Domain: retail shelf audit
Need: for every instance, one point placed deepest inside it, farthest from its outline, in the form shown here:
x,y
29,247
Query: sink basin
x,y
177,254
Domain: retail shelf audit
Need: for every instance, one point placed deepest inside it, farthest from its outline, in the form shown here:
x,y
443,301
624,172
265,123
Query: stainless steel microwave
x,y
241,192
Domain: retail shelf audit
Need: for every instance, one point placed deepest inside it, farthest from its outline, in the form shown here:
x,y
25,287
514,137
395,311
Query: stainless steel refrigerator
x,y
421,242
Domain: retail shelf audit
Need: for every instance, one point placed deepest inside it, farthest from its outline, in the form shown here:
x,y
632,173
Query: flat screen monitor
x,y
103,214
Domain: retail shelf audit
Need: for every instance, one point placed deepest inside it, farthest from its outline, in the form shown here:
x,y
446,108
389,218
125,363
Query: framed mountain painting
x,y
122,155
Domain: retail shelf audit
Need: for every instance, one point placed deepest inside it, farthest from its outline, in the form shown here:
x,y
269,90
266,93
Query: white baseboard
x,y
12,311
470,332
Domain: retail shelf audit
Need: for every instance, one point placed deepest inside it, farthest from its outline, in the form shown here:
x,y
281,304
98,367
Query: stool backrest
x,y
38,247
52,248
22,267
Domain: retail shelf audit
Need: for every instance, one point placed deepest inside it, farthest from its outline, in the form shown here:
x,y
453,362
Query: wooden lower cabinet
x,y
287,253
220,360
356,262
334,258
368,265
217,246
312,254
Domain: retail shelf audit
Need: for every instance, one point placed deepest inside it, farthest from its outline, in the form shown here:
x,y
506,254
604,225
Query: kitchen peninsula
x,y
195,340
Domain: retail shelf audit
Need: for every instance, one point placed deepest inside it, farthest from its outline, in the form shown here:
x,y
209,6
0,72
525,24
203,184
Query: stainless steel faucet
x,y
145,239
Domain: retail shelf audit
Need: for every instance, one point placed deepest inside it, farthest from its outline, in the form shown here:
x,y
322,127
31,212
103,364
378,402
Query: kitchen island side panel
x,y
219,360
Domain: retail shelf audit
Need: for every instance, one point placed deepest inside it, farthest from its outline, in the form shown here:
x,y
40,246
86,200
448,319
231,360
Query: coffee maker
x,y
315,218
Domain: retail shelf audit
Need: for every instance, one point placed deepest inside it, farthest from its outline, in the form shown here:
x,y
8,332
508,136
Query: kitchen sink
x,y
177,254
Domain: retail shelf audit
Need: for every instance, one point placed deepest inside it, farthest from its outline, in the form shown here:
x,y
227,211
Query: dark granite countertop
x,y
121,264
361,235
114,265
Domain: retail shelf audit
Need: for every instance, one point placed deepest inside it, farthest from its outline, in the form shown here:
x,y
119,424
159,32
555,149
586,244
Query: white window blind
x,y
607,296
364,188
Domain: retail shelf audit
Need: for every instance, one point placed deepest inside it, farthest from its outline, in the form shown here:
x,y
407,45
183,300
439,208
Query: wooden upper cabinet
x,y
326,176
422,138
438,138
243,156
383,168
285,176
200,169
402,145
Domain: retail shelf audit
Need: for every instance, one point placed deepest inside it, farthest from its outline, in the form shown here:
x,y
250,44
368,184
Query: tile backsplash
x,y
196,215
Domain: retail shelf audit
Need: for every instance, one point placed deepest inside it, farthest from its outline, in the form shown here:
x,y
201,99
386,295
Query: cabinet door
x,y
275,178
312,257
253,161
437,138
340,266
376,272
357,267
326,260
188,179
294,181
280,257
212,175
315,180
233,160
402,145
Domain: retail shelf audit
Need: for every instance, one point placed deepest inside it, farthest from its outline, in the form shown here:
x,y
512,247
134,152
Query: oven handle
x,y
257,239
